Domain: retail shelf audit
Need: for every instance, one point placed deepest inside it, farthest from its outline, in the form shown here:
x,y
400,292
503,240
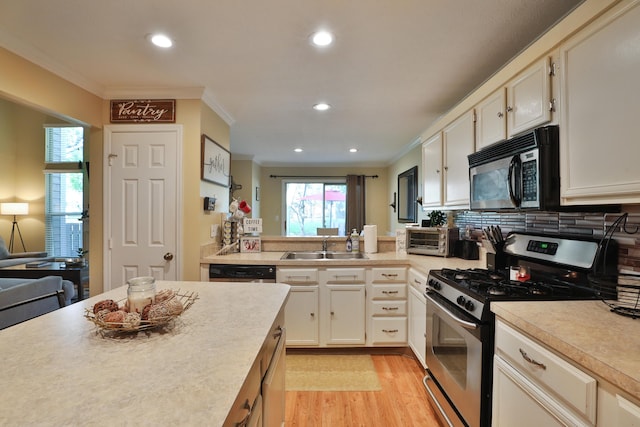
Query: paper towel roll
x,y
370,239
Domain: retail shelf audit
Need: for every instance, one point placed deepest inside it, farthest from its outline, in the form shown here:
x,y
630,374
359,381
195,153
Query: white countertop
x,y
56,370
420,262
587,333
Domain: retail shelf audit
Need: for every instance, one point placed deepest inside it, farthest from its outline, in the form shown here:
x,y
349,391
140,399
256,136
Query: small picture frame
x,y
215,162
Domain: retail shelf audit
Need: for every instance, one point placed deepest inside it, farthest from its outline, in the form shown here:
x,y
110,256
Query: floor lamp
x,y
15,209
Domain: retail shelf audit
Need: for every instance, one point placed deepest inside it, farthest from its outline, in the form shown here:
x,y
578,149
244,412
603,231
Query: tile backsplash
x,y
586,224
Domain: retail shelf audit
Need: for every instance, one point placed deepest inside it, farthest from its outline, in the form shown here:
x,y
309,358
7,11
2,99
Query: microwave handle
x,y
514,184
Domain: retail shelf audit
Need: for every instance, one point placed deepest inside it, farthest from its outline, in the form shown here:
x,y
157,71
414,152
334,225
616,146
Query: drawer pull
x,y
278,332
245,420
298,278
389,292
390,275
526,357
390,331
389,308
346,276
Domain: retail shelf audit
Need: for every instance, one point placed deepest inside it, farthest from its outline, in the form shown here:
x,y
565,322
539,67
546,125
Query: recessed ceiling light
x,y
321,106
322,38
161,40
298,150
353,150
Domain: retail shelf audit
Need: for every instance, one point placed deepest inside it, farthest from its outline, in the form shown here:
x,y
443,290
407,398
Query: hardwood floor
x,y
402,402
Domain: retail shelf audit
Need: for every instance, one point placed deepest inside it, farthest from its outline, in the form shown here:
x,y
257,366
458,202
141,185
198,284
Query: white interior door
x,y
142,176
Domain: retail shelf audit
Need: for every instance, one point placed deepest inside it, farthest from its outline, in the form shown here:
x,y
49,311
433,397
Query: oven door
x,y
454,356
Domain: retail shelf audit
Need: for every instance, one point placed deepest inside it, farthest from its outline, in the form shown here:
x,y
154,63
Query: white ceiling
x,y
395,66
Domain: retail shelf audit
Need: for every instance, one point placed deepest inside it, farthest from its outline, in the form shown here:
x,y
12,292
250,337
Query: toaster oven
x,y
436,241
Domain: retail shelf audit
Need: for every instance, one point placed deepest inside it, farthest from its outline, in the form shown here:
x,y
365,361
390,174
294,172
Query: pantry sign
x,y
143,110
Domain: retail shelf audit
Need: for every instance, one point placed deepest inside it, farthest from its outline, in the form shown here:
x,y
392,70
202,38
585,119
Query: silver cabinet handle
x,y
509,109
389,292
390,275
526,357
390,308
500,114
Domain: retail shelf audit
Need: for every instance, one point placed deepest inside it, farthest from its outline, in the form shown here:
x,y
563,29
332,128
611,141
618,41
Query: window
x,y
64,184
313,205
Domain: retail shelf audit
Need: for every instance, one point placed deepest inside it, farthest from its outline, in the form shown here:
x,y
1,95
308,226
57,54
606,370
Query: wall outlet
x,y
215,228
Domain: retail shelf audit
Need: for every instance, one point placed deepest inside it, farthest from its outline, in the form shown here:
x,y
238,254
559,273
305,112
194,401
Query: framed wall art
x,y
216,162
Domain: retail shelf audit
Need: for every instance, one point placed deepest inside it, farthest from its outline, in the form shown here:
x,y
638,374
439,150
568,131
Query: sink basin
x,y
345,255
304,255
323,255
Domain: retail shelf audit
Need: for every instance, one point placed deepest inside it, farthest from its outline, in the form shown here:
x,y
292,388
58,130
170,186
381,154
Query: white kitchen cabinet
x,y
523,103
533,386
458,142
432,171
302,309
344,303
600,99
445,166
614,409
387,302
417,283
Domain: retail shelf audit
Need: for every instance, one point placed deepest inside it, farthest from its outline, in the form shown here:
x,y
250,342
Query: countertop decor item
x,y
437,218
114,316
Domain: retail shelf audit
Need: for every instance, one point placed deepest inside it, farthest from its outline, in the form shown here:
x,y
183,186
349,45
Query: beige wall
x,y
409,160
21,163
376,193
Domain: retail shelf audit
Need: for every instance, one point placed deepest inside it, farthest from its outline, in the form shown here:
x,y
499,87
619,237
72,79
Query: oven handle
x,y
463,323
434,400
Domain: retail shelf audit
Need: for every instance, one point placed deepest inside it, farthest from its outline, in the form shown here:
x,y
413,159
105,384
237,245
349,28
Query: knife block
x,y
498,261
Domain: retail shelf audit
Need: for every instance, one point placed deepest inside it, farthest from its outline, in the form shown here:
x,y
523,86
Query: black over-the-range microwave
x,y
519,173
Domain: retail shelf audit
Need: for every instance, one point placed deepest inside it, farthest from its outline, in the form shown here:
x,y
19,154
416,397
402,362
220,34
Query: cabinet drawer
x,y
389,330
398,291
345,275
297,275
389,308
547,370
417,280
398,274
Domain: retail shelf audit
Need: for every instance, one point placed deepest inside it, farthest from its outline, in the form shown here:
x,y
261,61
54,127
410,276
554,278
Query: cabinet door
x,y
529,98
491,126
599,112
432,171
301,316
418,325
346,306
458,142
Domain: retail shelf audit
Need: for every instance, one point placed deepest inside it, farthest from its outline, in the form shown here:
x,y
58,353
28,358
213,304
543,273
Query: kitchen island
x,y
58,370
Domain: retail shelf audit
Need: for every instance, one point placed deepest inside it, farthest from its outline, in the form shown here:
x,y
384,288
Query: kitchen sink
x,y
323,255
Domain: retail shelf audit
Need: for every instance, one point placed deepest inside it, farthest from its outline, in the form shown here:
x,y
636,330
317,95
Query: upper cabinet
x,y
522,104
432,171
600,102
445,165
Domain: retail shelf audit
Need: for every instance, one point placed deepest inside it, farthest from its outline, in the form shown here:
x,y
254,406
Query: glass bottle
x,y
140,293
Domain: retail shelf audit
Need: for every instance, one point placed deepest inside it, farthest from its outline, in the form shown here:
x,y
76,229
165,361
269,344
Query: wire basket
x,y
621,292
186,299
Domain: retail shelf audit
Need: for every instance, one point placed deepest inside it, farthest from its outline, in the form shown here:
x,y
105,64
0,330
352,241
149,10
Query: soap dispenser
x,y
349,246
355,240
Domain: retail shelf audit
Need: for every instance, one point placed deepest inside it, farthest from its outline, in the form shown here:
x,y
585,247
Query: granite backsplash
x,y
586,224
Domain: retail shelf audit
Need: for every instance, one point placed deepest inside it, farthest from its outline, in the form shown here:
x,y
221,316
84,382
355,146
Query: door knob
x,y
168,256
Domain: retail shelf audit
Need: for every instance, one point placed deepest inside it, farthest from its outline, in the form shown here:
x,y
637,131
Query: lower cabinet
x,y
261,400
345,306
534,386
418,325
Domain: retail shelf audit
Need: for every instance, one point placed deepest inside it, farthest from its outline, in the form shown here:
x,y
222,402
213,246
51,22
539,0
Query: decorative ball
x,y
131,320
100,314
158,312
107,304
145,312
115,317
174,306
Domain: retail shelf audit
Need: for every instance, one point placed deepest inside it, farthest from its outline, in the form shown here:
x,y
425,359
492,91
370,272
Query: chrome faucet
x,y
325,243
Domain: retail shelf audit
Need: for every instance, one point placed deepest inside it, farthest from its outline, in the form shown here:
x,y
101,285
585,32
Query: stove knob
x,y
461,300
435,284
469,306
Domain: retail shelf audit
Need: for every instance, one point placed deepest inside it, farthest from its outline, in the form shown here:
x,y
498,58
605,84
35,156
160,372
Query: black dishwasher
x,y
242,273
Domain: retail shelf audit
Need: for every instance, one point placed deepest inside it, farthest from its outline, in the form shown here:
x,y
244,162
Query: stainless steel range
x,y
460,325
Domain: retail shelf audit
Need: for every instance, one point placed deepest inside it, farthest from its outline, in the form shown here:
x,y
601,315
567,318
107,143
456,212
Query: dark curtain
x,y
355,203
